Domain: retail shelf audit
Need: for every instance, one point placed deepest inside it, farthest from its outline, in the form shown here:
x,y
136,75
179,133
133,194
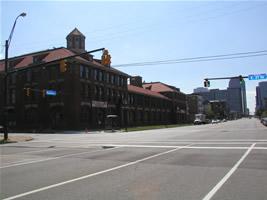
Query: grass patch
x,y
2,141
14,139
143,128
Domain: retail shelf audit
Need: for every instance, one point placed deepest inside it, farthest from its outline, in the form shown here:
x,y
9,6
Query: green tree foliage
x,y
209,112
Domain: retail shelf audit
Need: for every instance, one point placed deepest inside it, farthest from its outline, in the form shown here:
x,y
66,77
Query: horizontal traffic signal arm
x,y
224,78
50,62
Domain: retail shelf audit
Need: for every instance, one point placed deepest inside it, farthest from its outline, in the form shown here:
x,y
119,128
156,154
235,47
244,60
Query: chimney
x,y
136,81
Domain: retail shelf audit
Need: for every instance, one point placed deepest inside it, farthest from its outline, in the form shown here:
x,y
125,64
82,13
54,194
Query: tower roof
x,y
75,32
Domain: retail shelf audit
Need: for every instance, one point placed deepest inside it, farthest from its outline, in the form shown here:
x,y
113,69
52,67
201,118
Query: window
x,y
77,42
101,93
52,73
29,76
88,91
121,81
82,71
95,74
12,79
87,73
82,89
100,76
96,92
107,77
107,93
112,79
116,80
13,96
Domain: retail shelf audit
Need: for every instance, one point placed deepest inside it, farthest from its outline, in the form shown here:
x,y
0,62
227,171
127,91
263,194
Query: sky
x,y
143,31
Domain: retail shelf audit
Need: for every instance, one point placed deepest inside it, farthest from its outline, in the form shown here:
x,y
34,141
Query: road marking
x,y
35,151
84,141
91,175
227,176
184,147
54,158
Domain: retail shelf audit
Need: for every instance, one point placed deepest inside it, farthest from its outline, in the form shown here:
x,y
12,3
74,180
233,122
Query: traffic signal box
x,y
28,91
62,66
241,80
43,93
206,83
106,58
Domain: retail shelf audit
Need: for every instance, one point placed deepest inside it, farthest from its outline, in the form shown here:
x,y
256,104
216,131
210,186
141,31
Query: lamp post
x,y
5,76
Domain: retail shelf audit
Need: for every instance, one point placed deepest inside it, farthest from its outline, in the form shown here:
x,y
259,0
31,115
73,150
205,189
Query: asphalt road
x,y
226,161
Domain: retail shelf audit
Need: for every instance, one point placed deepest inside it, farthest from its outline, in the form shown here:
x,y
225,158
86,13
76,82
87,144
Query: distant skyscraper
x,y
261,96
237,98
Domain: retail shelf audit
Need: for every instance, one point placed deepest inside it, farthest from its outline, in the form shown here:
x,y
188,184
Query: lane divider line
x,y
92,175
228,175
55,158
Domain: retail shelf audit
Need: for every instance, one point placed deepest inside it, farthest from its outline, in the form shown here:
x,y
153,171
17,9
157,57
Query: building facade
x,y
237,98
86,91
261,96
179,102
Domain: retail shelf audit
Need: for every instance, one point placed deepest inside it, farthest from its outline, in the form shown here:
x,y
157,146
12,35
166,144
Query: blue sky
x,y
149,31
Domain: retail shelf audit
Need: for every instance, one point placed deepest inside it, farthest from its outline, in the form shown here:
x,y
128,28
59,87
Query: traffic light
x,y
43,93
106,58
62,66
241,80
206,83
28,92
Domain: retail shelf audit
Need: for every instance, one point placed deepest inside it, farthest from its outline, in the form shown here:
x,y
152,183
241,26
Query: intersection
x,y
215,161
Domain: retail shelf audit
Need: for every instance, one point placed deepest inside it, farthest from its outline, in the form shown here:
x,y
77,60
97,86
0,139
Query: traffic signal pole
x,y
207,80
225,77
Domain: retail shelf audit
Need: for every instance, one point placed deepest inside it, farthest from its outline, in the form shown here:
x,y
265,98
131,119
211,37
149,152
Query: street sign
x,y
257,76
51,92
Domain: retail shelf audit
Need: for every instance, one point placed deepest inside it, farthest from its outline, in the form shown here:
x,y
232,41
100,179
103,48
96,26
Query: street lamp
x,y
8,41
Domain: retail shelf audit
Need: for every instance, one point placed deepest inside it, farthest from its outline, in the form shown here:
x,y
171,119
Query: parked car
x,y
215,121
264,121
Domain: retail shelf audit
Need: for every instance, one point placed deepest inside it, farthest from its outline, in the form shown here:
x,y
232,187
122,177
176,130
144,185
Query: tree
x,y
209,112
264,113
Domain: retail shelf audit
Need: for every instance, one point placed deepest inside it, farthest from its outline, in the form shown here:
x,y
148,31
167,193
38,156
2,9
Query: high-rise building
x,y
237,99
261,96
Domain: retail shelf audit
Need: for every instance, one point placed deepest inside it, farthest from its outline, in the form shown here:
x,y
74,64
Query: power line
x,y
198,59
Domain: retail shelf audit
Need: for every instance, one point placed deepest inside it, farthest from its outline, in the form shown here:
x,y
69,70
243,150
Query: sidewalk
x,y
15,138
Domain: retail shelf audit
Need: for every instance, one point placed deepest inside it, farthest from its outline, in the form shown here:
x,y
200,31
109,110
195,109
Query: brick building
x,y
87,92
178,99
147,107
